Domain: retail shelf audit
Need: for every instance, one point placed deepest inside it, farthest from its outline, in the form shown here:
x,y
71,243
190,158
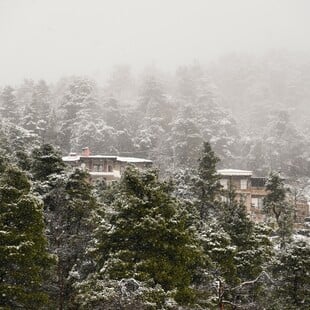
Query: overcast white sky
x,y
51,38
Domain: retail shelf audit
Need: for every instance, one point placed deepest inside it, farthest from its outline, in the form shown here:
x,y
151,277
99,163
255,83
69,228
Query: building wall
x,y
301,211
105,168
252,197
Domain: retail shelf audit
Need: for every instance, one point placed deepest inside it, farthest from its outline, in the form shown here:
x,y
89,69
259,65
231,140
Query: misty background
x,y
49,39
156,78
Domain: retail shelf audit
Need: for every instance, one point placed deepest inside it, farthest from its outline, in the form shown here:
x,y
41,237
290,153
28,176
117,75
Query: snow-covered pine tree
x,y
45,162
24,93
207,185
24,258
184,141
148,240
277,205
16,143
9,107
79,104
70,213
252,248
37,112
151,118
290,270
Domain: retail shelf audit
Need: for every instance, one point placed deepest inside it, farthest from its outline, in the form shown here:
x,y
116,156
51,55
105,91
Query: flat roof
x,y
72,158
133,159
234,172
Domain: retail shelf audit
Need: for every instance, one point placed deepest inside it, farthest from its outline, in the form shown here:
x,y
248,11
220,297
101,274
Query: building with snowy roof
x,y
252,191
104,167
248,188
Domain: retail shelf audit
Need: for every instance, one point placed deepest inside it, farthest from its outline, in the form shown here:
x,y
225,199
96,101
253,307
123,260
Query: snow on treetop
x,y
231,172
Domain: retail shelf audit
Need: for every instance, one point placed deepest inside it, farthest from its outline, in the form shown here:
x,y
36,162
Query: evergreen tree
x,y
79,105
9,108
70,213
291,273
277,205
280,146
148,240
95,134
208,185
24,93
41,100
252,249
152,96
16,143
112,114
212,121
185,140
37,112
24,258
117,128
222,269
46,161
5,149
51,133
152,118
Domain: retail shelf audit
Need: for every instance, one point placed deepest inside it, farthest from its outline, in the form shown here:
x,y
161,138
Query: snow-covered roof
x,y
232,172
101,173
133,160
100,156
71,158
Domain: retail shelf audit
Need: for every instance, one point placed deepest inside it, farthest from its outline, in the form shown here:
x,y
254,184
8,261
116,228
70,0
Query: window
x,y
257,202
244,184
224,183
110,168
260,203
254,202
224,199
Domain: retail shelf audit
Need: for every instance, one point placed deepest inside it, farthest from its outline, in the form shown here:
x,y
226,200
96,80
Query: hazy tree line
x,y
143,243
253,111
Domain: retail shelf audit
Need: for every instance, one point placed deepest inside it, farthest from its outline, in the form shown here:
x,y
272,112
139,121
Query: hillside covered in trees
x,y
253,111
143,243
169,237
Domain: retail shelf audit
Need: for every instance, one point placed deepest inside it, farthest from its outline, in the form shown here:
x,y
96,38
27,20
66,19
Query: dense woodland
x,y
253,111
163,238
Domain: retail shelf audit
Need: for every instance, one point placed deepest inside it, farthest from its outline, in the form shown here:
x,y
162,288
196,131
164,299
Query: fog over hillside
x,y
235,73
155,154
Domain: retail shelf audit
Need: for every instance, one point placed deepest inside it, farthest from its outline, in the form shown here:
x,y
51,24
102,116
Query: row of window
x,y
99,168
243,183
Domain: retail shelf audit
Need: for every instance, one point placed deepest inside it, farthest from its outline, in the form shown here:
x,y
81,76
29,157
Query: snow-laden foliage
x,y
291,270
277,205
25,261
147,239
